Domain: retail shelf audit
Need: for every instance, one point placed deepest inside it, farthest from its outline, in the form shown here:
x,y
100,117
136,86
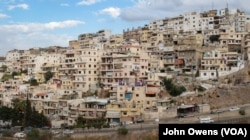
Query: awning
x,y
41,94
151,92
113,114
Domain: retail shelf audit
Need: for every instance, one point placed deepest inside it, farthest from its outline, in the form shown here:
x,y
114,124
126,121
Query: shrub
x,y
34,134
122,130
46,135
242,112
7,134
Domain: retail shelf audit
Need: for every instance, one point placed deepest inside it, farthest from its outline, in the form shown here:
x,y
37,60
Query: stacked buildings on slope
x,y
126,70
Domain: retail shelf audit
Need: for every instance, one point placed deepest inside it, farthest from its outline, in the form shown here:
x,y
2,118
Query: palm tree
x,y
19,105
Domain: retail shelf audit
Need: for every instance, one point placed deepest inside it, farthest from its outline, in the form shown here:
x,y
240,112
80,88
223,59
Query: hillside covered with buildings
x,y
118,77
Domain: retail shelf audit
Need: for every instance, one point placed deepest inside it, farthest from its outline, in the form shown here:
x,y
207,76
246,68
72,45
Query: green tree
x,y
48,75
5,113
14,73
173,90
33,82
168,83
24,71
19,105
23,112
4,68
28,114
11,114
6,77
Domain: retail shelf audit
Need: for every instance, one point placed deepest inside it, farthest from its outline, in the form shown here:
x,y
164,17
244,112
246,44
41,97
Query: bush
x,y
242,112
34,134
122,130
173,90
46,135
7,134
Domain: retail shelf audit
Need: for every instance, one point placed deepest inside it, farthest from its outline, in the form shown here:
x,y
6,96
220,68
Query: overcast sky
x,y
41,23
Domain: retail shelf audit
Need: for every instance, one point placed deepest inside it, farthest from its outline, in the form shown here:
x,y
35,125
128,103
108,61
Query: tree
x,y
5,113
6,77
4,68
24,71
14,73
23,112
19,105
28,114
33,82
172,89
168,83
48,75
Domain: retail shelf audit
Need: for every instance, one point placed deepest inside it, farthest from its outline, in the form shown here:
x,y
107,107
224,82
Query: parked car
x,y
126,123
206,120
139,121
234,108
68,131
217,111
20,135
54,132
113,124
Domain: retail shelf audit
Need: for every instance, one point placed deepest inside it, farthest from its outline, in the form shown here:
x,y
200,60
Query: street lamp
x,y
218,113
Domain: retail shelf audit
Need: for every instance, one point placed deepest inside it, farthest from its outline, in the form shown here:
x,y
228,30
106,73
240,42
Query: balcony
x,y
63,114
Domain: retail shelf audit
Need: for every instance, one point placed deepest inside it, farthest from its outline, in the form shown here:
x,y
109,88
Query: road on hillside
x,y
225,116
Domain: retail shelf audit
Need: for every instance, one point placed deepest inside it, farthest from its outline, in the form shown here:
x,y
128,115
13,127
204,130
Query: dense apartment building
x,y
127,67
219,62
115,41
125,64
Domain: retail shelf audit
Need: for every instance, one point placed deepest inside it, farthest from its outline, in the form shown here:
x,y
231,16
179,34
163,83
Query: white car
x,y
206,120
19,135
128,122
54,132
234,108
68,131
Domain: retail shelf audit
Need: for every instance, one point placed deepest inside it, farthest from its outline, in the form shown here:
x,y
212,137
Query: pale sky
x,y
41,23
